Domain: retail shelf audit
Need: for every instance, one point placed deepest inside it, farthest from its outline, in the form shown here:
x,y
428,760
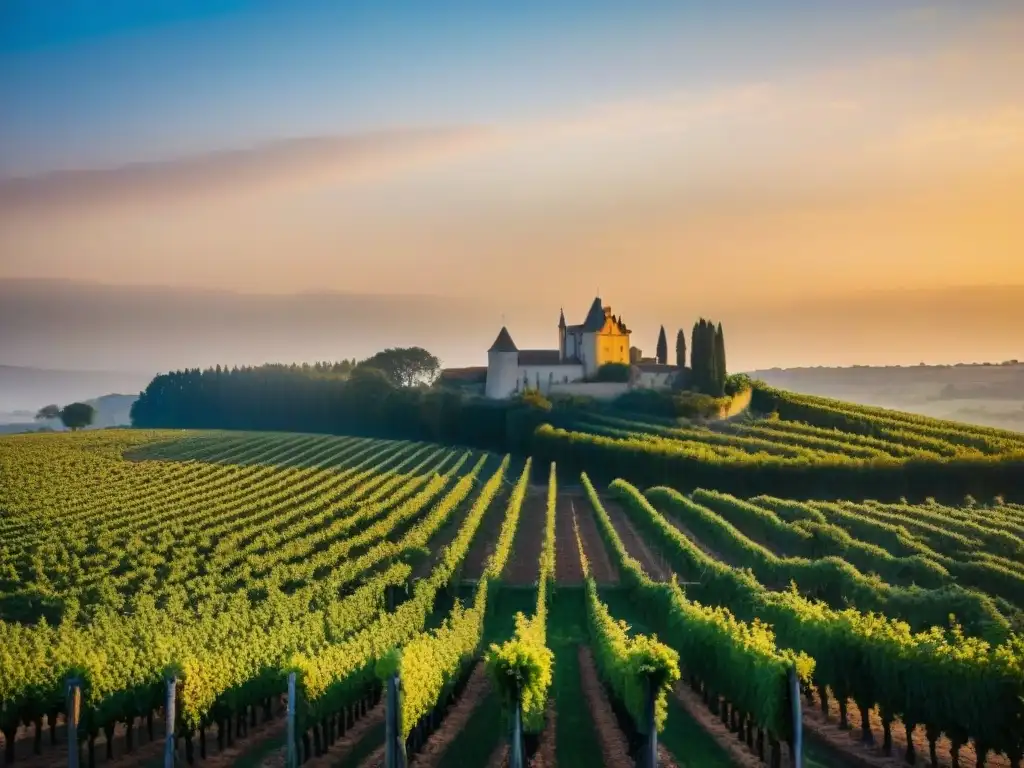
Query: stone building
x,y
600,339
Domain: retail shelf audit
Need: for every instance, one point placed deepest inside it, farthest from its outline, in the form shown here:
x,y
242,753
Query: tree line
x,y
709,372
386,395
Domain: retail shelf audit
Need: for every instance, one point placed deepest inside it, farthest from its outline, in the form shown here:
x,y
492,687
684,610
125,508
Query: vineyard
x,y
793,445
434,600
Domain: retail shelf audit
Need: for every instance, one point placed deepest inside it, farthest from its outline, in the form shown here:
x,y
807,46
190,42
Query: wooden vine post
x,y
291,754
515,752
394,746
798,719
74,710
649,758
170,736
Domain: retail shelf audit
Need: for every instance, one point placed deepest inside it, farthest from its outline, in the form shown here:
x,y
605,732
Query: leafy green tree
x,y
77,416
366,392
661,352
48,413
681,349
405,366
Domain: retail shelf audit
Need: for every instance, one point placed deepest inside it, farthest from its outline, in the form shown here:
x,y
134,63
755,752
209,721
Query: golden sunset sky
x,y
709,161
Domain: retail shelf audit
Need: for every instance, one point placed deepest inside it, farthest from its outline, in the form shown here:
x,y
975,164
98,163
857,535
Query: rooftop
x,y
504,342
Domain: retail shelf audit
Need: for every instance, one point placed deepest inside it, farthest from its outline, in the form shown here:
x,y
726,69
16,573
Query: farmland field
x,y
228,560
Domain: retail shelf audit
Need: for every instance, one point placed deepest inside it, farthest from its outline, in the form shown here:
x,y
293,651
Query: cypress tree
x,y
681,349
662,349
696,365
714,379
707,364
720,358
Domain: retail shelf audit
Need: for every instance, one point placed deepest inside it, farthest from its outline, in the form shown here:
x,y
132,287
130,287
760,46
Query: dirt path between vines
x,y
665,759
634,542
676,523
145,751
613,742
523,565
499,757
737,750
477,688
568,569
341,748
871,756
445,534
374,760
545,754
486,537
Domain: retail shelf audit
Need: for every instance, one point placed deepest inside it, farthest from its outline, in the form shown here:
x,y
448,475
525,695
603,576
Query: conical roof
x,y
595,317
504,342
561,318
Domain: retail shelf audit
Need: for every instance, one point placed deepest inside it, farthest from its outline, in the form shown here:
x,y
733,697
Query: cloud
x,y
870,110
278,166
671,111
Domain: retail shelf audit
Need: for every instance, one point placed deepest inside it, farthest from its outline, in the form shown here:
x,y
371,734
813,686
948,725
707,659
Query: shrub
x,y
617,372
736,383
694,405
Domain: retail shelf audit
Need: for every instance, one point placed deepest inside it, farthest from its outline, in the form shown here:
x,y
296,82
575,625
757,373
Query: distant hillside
x,y
23,391
111,411
985,394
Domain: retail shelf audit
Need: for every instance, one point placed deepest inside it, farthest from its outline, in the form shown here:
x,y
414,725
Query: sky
x,y
734,159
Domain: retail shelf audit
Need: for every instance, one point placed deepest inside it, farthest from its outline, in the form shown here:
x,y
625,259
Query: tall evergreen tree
x,y
721,370
714,379
698,361
707,365
662,349
694,358
681,349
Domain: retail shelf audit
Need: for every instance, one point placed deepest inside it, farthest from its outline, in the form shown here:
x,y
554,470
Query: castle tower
x,y
502,366
561,335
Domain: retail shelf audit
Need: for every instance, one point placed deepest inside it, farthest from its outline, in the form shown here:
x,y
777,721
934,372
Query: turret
x,y
502,366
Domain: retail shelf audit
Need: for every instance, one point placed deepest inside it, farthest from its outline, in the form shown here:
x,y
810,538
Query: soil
x,y
849,741
523,564
613,742
145,751
634,543
544,757
341,748
445,535
665,760
681,527
568,569
375,760
485,539
455,720
499,758
737,750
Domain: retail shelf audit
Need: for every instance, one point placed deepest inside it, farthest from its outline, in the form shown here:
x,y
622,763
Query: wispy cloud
x,y
280,166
